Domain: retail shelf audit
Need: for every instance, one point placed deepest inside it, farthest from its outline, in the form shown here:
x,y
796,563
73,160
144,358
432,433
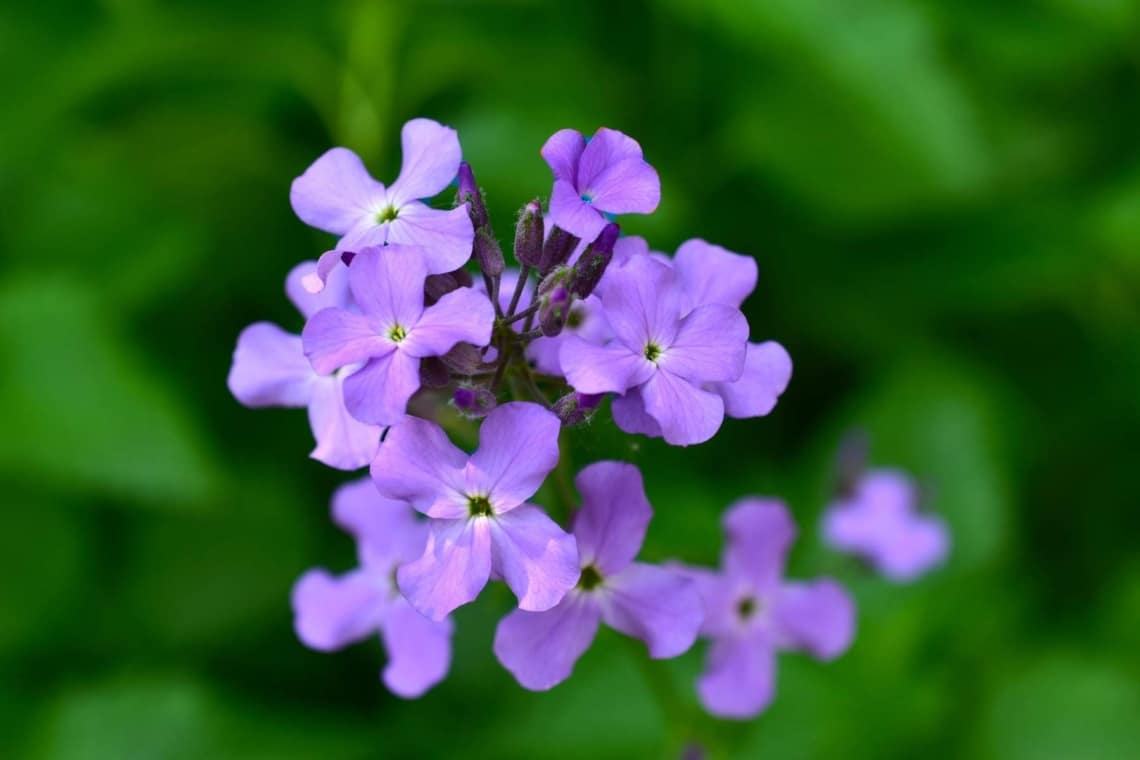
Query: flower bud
x,y
436,286
576,408
592,265
553,310
557,249
469,193
433,373
488,253
529,234
473,402
463,359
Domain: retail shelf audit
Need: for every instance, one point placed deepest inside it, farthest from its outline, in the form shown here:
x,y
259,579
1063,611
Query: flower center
x,y
479,506
397,333
389,214
587,197
652,352
574,319
747,607
590,578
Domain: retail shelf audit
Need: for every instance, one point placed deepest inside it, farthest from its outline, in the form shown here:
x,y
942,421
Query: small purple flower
x,y
331,612
654,604
751,612
480,522
665,353
880,522
585,320
604,175
336,194
393,332
270,369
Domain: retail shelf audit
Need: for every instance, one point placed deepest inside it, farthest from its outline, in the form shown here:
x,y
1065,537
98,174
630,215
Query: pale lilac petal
x,y
387,531
641,303
270,368
591,368
656,605
369,233
333,293
818,617
518,447
628,247
335,192
540,648
739,680
719,596
335,338
454,568
418,464
343,441
711,274
759,533
419,650
331,612
431,160
388,284
711,344
767,372
610,526
571,213
606,148
537,559
627,187
446,236
686,414
462,316
544,352
562,151
327,263
630,416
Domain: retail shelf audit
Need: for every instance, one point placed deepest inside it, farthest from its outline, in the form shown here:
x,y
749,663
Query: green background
x,y
944,201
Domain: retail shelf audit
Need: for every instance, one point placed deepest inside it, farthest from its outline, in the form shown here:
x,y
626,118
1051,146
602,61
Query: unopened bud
x,y
529,234
470,194
553,310
473,401
576,408
590,268
436,286
433,373
557,249
463,359
488,254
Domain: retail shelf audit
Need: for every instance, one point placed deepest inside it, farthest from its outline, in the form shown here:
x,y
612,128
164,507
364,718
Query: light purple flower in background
x,y
480,522
336,194
604,175
331,612
667,355
270,369
752,613
393,332
654,604
880,522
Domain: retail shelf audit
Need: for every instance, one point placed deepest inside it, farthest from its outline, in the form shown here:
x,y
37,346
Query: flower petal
x,y
630,416
418,464
656,605
541,648
334,291
445,236
378,392
570,212
335,192
641,303
627,187
462,316
610,526
386,530
712,274
606,148
331,612
759,533
711,344
818,617
537,559
591,368
431,160
454,568
767,372
561,153
343,441
335,338
686,413
388,284
739,680
270,369
518,447
719,596
419,650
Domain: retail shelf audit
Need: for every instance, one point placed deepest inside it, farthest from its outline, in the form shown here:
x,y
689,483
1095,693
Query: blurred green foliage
x,y
944,200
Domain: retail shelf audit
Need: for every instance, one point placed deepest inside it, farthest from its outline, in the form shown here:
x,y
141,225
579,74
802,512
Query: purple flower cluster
x,y
414,324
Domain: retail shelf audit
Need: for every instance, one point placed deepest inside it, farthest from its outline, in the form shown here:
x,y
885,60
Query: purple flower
x,y
331,612
336,194
751,612
654,604
880,522
585,321
661,350
605,175
270,369
393,332
480,524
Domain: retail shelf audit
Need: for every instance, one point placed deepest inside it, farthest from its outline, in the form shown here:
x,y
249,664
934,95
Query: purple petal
x,y
454,568
653,604
335,338
518,447
686,414
343,441
270,369
418,464
562,152
629,247
462,316
368,233
627,187
431,161
719,596
386,531
610,527
331,612
388,284
759,532
606,148
767,372
537,559
630,415
711,274
419,650
333,292
378,392
540,648
924,546
711,344
591,368
314,281
641,303
739,679
336,192
571,213
817,617
446,236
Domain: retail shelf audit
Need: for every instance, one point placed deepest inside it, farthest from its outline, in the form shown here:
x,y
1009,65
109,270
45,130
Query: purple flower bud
x,y
576,408
529,234
552,313
557,250
469,193
437,286
488,253
473,402
463,359
433,373
590,268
